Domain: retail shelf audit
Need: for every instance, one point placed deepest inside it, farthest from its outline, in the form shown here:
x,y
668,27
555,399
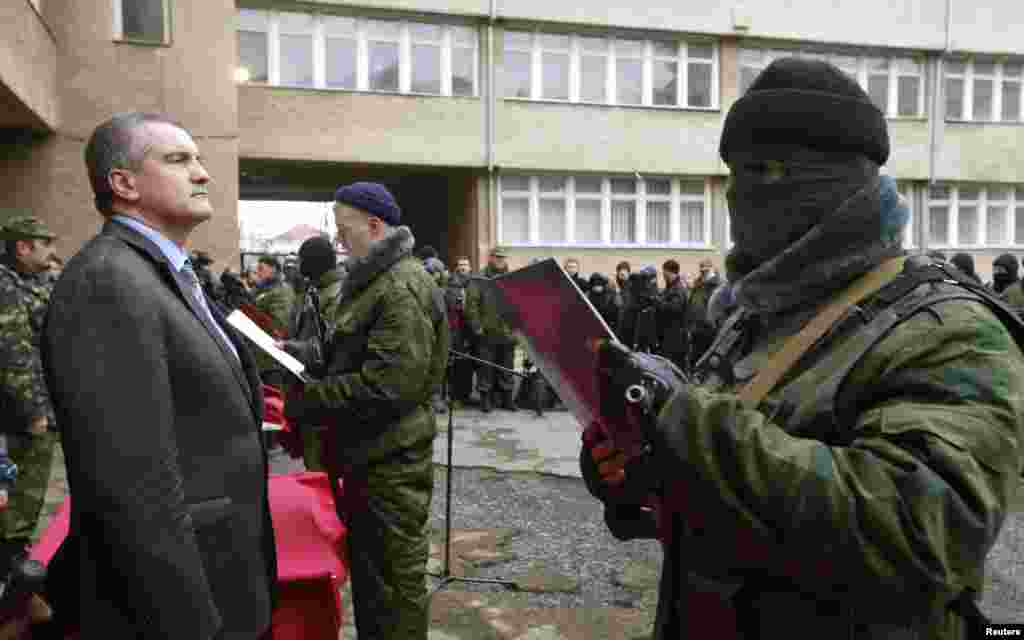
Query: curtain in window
x,y
552,221
515,220
659,215
623,221
588,221
691,222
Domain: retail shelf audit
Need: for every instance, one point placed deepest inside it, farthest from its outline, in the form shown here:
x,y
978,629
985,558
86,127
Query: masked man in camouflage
x,y
275,297
860,496
26,415
388,347
494,339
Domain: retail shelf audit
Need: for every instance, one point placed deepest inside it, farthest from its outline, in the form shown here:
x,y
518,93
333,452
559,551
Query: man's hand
x,y
610,463
39,425
635,386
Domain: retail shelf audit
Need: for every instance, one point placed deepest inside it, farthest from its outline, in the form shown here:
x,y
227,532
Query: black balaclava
x,y
965,263
794,188
1005,270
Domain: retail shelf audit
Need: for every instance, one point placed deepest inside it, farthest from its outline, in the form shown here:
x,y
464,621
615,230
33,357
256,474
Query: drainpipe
x,y
492,105
938,91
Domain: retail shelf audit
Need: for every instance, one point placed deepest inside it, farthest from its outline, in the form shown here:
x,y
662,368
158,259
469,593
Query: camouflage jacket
x,y
23,393
875,477
700,296
276,299
1013,295
388,349
481,312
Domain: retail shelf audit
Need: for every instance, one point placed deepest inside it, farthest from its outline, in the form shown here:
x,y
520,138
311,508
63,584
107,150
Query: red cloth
x,y
311,562
273,407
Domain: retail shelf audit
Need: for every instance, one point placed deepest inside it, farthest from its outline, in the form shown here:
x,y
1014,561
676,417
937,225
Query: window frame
x,y
997,77
1012,203
647,59
363,38
864,72
606,198
168,24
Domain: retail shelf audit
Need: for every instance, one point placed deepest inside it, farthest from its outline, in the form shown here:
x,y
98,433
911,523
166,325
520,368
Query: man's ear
x,y
122,183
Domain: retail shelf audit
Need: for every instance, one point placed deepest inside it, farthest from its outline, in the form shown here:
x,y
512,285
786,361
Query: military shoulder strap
x,y
796,346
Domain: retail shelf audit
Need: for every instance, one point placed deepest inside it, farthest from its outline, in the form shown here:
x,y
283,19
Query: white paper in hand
x,y
265,342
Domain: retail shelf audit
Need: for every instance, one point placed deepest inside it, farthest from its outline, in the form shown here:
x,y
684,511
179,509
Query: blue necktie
x,y
197,293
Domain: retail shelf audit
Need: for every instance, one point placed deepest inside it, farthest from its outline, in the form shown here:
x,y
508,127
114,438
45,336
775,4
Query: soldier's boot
x,y
485,401
509,401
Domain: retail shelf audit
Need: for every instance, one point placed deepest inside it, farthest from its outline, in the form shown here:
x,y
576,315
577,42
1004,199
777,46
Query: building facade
x,y
586,129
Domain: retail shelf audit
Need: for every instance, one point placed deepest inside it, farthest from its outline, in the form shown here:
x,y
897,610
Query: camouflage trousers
x,y
34,456
502,353
385,508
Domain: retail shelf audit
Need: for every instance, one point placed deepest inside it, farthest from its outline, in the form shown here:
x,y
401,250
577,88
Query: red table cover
x,y
310,555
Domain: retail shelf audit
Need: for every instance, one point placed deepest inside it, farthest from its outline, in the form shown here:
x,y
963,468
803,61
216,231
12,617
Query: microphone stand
x,y
446,574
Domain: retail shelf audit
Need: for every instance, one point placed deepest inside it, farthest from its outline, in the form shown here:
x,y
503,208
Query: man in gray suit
x,y
161,406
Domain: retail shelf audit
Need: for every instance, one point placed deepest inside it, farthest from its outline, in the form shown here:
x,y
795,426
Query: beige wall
x,y
604,260
988,26
901,23
191,80
550,136
28,65
360,127
981,152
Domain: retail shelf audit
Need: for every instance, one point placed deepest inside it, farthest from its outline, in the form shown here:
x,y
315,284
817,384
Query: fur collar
x,y
384,253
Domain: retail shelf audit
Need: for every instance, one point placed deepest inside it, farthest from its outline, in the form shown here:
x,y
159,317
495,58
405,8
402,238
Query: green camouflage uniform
x,y
389,347
276,299
494,339
24,299
1013,295
860,498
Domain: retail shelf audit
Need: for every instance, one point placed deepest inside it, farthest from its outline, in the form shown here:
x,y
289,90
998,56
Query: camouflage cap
x,y
25,228
499,252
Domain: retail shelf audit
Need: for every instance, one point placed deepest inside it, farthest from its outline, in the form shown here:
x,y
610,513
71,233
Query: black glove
x,y
309,352
635,386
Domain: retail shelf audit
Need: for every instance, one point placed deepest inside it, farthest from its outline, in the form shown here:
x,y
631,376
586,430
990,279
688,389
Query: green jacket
x,y
23,393
275,299
388,349
879,490
481,312
1013,295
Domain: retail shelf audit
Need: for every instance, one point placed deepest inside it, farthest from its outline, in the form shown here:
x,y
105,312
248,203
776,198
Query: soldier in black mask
x,y
1005,271
604,299
638,327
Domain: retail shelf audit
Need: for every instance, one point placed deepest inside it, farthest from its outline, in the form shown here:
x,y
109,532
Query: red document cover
x,y
562,331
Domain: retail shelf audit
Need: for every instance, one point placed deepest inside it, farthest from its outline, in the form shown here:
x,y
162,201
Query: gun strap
x,y
797,345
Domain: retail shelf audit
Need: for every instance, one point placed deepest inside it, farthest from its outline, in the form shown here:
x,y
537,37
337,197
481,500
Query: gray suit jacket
x,y
170,525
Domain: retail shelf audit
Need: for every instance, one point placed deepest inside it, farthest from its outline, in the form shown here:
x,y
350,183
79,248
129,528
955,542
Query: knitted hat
x,y
1006,264
806,103
372,198
316,257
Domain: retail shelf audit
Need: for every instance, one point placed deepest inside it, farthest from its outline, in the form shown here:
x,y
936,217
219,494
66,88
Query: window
x,y
979,90
896,85
609,70
558,210
296,47
554,60
357,54
252,46
971,215
906,190
142,21
341,43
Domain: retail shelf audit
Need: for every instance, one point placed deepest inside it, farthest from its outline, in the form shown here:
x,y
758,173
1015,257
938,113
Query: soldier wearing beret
x,y
852,453
26,415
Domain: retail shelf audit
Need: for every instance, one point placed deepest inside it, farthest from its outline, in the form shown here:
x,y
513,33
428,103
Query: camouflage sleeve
x,y
21,370
471,312
910,506
393,378
278,303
